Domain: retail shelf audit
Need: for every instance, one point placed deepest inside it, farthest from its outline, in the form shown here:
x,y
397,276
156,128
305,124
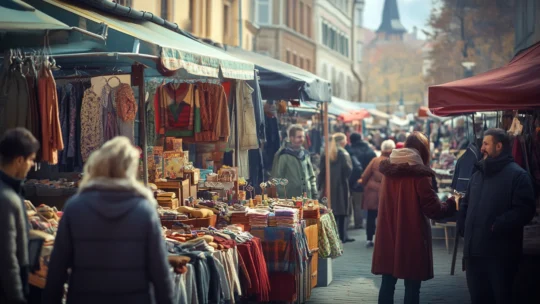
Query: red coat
x,y
371,180
403,238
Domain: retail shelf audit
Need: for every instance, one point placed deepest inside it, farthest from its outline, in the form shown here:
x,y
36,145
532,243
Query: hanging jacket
x,y
465,168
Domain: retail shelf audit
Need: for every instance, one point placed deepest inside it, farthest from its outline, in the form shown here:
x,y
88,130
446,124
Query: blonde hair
x,y
388,145
116,159
335,144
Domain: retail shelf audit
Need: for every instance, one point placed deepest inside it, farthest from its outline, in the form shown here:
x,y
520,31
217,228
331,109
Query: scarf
x,y
298,153
120,184
406,155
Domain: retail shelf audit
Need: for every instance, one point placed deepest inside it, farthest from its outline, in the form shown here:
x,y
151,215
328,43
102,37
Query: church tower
x,y
391,28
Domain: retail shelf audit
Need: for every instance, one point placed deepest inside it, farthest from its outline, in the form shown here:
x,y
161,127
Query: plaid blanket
x,y
329,244
285,249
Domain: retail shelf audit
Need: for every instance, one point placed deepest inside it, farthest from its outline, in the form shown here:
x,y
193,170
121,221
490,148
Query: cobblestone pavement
x,y
354,283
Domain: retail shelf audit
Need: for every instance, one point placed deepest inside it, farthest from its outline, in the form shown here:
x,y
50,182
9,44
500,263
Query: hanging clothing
x,y
258,107
52,141
150,110
465,168
110,127
214,113
34,122
178,110
14,97
125,105
91,123
247,126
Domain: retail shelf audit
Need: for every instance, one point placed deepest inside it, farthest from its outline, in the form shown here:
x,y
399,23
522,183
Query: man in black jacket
x,y
498,203
360,153
17,153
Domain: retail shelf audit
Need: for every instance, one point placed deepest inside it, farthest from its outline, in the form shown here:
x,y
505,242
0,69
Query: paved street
x,y
354,283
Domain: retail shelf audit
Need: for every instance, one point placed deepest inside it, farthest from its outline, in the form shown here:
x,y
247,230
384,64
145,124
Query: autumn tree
x,y
479,31
393,70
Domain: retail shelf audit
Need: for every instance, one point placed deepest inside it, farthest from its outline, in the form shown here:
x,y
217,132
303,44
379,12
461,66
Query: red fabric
x,y
403,248
400,145
283,287
251,253
512,87
181,118
371,180
354,115
518,153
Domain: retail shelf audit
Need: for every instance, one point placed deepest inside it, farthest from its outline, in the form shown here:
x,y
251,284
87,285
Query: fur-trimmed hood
x,y
113,198
404,170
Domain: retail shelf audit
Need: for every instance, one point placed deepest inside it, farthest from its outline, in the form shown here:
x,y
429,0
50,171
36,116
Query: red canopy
x,y
354,115
515,86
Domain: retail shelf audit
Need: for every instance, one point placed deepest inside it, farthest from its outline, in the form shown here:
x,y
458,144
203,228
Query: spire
x,y
391,25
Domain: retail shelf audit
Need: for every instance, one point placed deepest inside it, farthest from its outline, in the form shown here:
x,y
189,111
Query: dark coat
x,y
499,202
371,180
364,154
14,242
340,170
403,239
112,242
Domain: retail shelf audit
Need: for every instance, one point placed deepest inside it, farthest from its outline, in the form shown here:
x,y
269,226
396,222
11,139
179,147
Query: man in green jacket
x,y
293,163
17,154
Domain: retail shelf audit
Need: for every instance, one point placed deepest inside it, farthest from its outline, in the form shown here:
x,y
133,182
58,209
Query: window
x,y
308,65
301,19
264,8
325,37
226,22
335,40
294,20
288,12
192,15
288,56
294,59
308,20
359,17
301,62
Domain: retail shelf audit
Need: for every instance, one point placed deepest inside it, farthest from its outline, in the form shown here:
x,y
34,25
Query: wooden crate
x,y
179,187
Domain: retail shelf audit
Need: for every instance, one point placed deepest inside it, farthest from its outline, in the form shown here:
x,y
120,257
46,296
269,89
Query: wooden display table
x,y
180,187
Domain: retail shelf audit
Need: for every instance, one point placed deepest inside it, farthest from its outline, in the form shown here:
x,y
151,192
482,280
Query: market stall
x,y
512,93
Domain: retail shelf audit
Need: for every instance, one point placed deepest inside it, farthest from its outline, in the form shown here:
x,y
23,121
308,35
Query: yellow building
x,y
213,19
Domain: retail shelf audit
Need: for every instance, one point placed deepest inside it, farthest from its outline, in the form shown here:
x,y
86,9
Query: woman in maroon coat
x,y
406,201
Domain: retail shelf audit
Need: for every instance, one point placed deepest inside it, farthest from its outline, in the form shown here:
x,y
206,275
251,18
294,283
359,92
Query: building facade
x,y
217,20
285,31
527,24
334,34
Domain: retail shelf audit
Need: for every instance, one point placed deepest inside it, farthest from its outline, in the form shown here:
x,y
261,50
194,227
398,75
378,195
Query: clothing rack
x,y
180,80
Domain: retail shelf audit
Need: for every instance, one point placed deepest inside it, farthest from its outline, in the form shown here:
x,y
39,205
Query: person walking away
x,y
403,249
498,203
293,163
371,180
18,149
340,170
360,151
110,237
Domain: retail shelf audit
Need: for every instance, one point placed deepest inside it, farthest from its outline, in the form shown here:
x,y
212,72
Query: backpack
x,y
356,174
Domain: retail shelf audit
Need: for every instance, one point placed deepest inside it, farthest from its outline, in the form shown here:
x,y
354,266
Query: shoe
x,y
370,244
349,240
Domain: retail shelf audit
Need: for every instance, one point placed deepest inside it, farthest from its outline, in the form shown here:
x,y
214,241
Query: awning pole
x,y
137,79
326,155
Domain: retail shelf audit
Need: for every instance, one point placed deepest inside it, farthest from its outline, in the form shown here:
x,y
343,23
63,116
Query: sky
x,y
412,13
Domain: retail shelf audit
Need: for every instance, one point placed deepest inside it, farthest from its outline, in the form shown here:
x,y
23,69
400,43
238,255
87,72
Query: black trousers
x,y
491,279
388,286
371,223
342,224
